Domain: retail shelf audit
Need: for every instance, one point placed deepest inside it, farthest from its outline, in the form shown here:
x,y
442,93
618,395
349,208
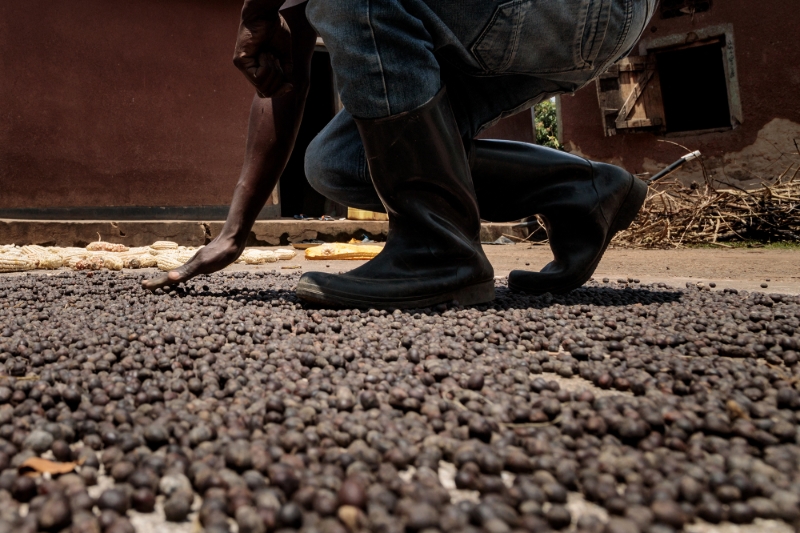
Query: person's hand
x,y
264,54
218,254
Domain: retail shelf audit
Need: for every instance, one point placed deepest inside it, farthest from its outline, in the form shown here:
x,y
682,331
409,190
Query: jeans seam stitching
x,y
577,45
515,38
625,30
648,17
476,46
378,56
597,41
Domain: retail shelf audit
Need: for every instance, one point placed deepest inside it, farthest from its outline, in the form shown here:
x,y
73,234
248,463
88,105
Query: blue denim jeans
x,y
496,58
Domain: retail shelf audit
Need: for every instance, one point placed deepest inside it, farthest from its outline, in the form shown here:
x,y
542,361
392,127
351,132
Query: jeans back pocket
x,y
542,36
498,43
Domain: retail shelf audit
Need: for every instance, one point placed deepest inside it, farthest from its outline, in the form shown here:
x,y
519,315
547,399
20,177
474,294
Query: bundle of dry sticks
x,y
675,215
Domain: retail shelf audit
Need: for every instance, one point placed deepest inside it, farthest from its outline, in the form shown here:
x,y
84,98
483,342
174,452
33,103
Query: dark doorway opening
x,y
296,194
694,88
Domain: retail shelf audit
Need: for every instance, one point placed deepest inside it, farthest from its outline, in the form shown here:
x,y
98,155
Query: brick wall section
x,y
768,60
120,103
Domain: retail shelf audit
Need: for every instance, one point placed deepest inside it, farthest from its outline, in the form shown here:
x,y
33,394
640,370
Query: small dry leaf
x,y
736,410
350,516
35,466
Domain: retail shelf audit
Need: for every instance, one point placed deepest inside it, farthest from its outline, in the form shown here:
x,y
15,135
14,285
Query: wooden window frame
x,y
700,37
637,105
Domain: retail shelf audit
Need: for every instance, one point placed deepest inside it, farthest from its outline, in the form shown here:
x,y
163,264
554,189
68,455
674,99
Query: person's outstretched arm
x,y
272,131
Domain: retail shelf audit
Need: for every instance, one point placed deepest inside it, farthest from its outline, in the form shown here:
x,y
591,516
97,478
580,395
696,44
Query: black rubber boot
x,y
433,253
583,205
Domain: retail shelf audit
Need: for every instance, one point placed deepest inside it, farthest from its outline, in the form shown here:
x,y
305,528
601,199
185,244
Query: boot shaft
x,y
433,253
421,173
515,180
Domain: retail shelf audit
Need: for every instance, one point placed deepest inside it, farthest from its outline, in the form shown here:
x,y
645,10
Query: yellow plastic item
x,y
360,214
337,251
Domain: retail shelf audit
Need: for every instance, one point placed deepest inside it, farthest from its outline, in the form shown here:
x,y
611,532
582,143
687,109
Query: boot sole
x,y
625,216
476,294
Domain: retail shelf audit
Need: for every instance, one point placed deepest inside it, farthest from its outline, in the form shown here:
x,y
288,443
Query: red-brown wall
x,y
106,103
125,105
768,60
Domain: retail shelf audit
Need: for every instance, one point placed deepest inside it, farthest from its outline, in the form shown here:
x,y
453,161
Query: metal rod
x,y
674,166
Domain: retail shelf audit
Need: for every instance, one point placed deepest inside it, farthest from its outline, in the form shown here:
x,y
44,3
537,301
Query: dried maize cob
x,y
257,257
72,261
49,261
42,257
173,260
138,260
285,255
100,246
112,262
147,261
15,263
89,263
34,249
268,257
68,253
132,260
164,245
186,255
167,262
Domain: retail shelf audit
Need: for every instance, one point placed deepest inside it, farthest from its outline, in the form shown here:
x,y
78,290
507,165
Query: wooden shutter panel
x,y
630,96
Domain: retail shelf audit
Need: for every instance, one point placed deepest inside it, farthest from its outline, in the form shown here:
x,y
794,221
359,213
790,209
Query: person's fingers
x,y
156,283
246,64
173,277
263,54
269,88
266,76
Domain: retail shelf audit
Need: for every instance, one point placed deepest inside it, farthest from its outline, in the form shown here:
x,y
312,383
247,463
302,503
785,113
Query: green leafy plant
x,y
547,124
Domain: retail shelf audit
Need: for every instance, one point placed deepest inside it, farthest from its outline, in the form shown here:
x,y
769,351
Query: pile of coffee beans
x,y
230,402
